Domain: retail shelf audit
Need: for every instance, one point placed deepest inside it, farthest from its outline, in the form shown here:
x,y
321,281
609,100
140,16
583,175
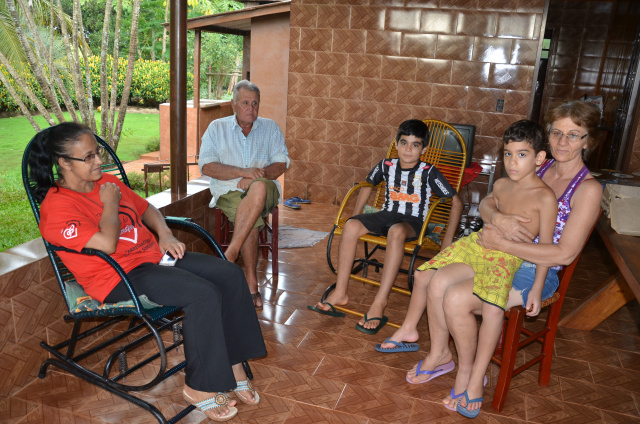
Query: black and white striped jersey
x,y
408,190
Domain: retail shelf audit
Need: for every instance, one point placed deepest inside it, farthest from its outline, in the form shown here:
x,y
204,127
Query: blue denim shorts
x,y
524,277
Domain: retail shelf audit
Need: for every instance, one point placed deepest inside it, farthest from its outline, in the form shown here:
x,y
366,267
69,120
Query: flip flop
x,y
455,396
440,370
300,200
332,313
399,347
462,410
291,204
383,322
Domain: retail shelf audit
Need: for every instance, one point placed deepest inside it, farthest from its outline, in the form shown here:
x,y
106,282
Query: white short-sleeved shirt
x,y
224,142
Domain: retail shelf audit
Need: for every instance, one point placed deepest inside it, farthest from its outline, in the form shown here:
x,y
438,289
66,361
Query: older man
x,y
244,155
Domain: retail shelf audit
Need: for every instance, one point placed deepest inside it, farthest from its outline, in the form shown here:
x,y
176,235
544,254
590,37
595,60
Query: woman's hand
x,y
171,244
490,237
512,228
110,193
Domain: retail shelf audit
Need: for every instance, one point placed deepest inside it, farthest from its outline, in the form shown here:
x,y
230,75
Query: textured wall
x,y
357,69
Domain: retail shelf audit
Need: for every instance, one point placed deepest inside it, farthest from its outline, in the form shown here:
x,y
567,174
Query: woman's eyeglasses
x,y
90,158
558,135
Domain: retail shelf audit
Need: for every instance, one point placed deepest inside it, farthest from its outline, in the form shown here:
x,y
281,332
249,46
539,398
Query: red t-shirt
x,y
70,219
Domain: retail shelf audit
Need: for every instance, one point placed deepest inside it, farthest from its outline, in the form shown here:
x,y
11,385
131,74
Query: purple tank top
x,y
564,202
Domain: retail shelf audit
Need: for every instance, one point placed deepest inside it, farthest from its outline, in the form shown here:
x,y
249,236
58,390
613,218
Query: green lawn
x,y
18,224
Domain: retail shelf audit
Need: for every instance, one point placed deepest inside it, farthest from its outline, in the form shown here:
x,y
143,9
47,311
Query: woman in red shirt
x,y
85,208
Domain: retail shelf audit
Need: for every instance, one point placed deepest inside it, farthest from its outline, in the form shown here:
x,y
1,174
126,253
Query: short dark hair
x,y
583,114
416,128
526,130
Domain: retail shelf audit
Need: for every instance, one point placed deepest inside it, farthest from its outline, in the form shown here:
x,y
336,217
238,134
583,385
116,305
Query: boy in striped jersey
x,y
409,184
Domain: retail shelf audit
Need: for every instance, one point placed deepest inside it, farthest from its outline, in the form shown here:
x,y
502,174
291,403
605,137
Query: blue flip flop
x,y
299,200
398,347
437,372
455,396
291,204
462,410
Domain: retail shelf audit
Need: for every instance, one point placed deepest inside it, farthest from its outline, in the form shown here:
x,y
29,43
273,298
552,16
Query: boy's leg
x,y
396,237
487,339
353,230
439,352
461,307
408,331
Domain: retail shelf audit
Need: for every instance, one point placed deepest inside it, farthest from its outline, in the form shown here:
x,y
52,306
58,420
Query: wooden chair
x,y
95,321
510,339
223,231
450,160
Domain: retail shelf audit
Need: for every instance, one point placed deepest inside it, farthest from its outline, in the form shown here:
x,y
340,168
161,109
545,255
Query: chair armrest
x,y
345,201
188,223
441,201
115,265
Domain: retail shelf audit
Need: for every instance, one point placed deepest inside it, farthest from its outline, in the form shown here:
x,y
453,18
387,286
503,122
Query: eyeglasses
x,y
90,158
558,135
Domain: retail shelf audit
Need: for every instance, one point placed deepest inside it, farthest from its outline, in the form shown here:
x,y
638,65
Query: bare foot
x,y
221,413
334,299
375,311
402,334
428,364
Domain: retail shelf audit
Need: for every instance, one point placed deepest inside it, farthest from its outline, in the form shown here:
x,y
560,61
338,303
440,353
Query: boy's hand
x,y
534,302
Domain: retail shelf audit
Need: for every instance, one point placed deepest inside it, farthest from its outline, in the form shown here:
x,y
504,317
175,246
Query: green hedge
x,y
149,87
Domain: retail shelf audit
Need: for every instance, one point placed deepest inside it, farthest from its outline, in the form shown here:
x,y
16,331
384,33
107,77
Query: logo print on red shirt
x,y
71,230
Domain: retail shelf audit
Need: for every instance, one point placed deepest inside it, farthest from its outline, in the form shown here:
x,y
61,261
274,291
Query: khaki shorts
x,y
228,203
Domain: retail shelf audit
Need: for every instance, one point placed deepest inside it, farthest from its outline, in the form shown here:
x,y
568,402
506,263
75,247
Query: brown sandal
x,y
255,296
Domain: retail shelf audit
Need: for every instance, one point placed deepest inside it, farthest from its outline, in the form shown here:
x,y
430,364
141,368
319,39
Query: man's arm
x,y
223,172
274,170
454,220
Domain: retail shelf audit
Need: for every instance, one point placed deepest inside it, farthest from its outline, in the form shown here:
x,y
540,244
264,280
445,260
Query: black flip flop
x,y
383,322
332,313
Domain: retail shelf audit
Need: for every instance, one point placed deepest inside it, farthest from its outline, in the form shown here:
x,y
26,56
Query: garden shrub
x,y
149,86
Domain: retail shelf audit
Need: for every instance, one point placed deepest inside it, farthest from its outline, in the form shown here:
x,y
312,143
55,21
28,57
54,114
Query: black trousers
x,y
220,325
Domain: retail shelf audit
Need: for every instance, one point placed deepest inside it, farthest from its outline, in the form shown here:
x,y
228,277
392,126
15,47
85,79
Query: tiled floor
x,y
321,370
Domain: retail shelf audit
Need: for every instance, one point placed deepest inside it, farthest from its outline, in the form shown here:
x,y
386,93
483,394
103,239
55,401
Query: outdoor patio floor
x,y
320,369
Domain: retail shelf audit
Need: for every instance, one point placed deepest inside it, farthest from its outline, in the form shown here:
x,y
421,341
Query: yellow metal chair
x,y
447,151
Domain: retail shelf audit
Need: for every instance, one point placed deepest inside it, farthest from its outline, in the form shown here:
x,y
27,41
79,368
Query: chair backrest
x,y
73,293
448,161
